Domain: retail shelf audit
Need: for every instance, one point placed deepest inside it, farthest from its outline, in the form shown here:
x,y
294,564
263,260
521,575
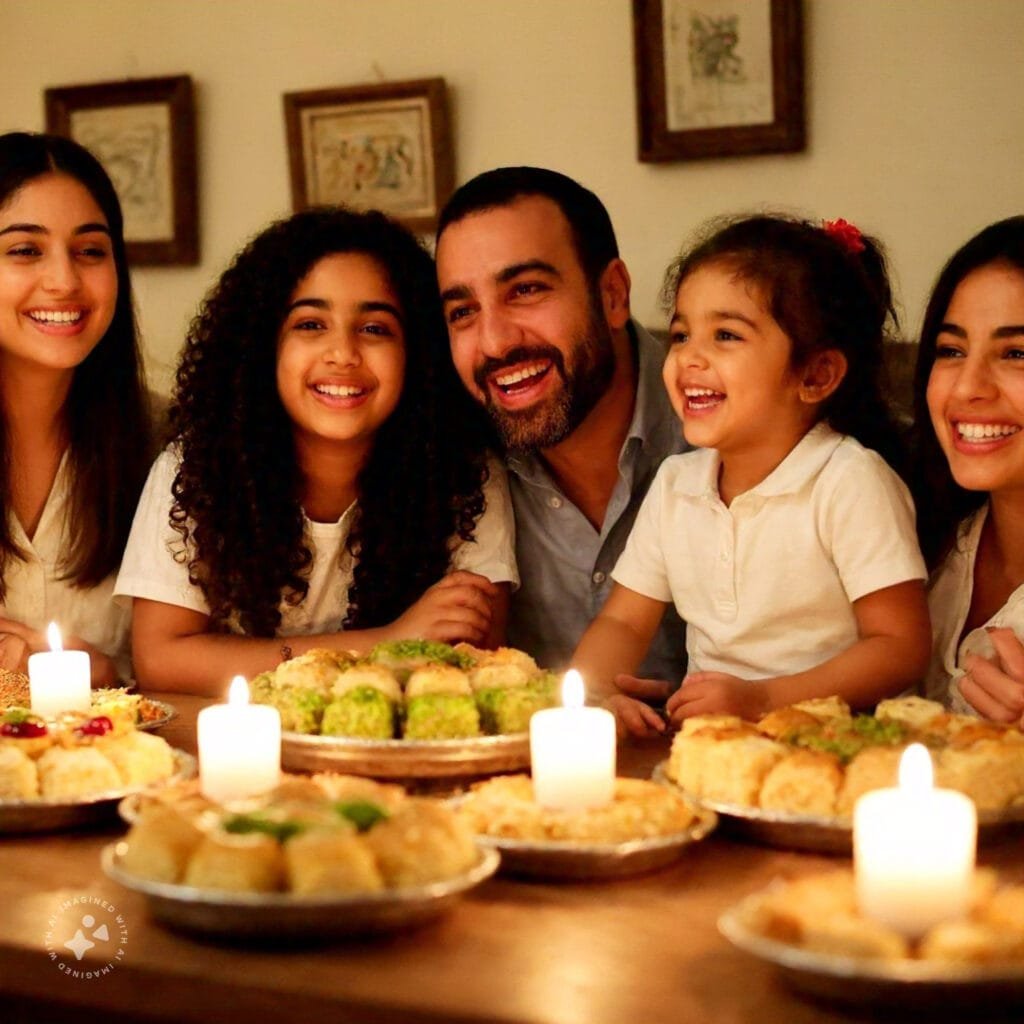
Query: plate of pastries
x,y
811,929
792,778
645,826
409,709
73,770
317,858
144,712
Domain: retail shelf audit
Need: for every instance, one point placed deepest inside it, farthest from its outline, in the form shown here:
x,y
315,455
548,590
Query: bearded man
x,y
536,300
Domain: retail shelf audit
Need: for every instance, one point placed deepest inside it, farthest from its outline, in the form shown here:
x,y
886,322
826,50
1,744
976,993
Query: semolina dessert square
x,y
331,861
803,782
872,768
441,716
733,770
69,772
140,758
236,863
362,713
990,772
19,779
160,843
913,711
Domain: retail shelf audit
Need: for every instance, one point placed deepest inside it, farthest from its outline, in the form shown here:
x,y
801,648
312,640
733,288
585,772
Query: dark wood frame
x,y
433,90
175,91
784,134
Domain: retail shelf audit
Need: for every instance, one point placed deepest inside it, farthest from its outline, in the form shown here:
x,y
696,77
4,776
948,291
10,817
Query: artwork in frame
x,y
385,147
143,132
718,77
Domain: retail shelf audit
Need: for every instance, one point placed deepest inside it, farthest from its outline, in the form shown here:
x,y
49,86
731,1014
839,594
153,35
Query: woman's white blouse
x,y
949,602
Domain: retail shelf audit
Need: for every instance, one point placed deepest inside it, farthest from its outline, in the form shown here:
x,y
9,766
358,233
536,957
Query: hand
x,y
717,693
458,607
995,687
18,641
633,717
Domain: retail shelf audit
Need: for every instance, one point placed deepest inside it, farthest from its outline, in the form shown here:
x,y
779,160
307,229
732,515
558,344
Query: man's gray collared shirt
x,y
565,565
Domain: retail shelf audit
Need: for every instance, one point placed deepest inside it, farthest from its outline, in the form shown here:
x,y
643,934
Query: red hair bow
x,y
845,233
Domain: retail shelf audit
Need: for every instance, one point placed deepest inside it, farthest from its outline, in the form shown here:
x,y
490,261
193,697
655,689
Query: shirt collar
x,y
803,463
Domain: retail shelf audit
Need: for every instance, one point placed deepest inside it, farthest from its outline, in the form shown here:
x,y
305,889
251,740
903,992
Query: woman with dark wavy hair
x,y
969,390
74,422
329,481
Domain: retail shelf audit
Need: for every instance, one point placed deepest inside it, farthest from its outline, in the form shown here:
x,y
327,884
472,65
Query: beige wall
x,y
913,114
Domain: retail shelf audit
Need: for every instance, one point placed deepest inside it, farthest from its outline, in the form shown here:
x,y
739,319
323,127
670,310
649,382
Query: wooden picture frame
x,y
718,78
385,147
143,131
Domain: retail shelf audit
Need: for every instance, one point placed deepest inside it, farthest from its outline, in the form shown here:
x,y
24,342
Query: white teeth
x,y
508,379
338,390
698,392
53,316
985,431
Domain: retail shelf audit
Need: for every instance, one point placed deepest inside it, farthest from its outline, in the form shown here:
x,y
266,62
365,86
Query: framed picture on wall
x,y
385,147
143,132
718,77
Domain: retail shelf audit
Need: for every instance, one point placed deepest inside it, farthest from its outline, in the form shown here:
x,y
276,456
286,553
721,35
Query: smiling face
x,y
58,281
728,371
976,386
529,337
341,351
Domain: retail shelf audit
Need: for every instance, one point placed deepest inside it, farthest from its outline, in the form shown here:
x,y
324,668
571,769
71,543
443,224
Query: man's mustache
x,y
515,357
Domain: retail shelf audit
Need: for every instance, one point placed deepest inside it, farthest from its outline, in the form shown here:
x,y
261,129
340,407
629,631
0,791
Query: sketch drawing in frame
x,y
384,147
143,132
718,77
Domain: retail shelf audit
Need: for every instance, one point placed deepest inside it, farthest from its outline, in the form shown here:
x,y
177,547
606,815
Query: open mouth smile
x,y
978,435
702,399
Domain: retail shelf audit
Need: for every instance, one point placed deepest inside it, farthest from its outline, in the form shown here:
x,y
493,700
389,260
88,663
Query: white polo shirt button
x,y
599,577
554,501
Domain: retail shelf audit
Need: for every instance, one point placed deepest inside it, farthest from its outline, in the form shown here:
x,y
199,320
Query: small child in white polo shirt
x,y
787,542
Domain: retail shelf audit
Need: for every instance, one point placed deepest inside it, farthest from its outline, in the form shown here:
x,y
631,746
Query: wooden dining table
x,y
641,950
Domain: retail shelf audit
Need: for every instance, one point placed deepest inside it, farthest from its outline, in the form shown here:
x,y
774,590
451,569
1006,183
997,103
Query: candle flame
x,y
53,637
239,692
916,769
572,689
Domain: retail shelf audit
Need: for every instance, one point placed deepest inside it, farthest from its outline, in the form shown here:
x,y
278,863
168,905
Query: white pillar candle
x,y
59,680
572,752
914,850
239,747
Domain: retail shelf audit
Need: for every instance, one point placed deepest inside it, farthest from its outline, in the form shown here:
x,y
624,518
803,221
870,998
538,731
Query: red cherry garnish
x,y
98,726
23,730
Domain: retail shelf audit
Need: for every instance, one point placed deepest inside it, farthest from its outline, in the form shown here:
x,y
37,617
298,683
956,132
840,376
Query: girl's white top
x,y
767,584
150,569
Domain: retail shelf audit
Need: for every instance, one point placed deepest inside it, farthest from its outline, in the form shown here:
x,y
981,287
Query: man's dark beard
x,y
554,419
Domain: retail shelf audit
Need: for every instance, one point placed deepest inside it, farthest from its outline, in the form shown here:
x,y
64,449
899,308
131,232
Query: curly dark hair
x,y
106,415
941,502
824,296
237,492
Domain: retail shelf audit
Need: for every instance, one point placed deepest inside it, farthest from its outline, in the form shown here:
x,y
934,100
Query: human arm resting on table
x,y
890,655
609,653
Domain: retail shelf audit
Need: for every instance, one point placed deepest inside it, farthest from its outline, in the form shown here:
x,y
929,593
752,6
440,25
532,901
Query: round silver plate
x,y
890,983
814,833
282,918
167,712
595,861
406,759
53,815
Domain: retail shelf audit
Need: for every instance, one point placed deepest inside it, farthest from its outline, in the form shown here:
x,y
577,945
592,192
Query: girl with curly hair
x,y
74,420
969,393
328,482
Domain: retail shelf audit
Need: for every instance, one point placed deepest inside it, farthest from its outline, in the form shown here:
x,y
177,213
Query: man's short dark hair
x,y
592,233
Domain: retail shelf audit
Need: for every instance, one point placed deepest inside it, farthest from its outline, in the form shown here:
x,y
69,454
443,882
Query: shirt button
x,y
725,556
599,577
554,501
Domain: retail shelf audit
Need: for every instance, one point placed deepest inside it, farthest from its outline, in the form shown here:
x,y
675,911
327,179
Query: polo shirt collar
x,y
802,464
